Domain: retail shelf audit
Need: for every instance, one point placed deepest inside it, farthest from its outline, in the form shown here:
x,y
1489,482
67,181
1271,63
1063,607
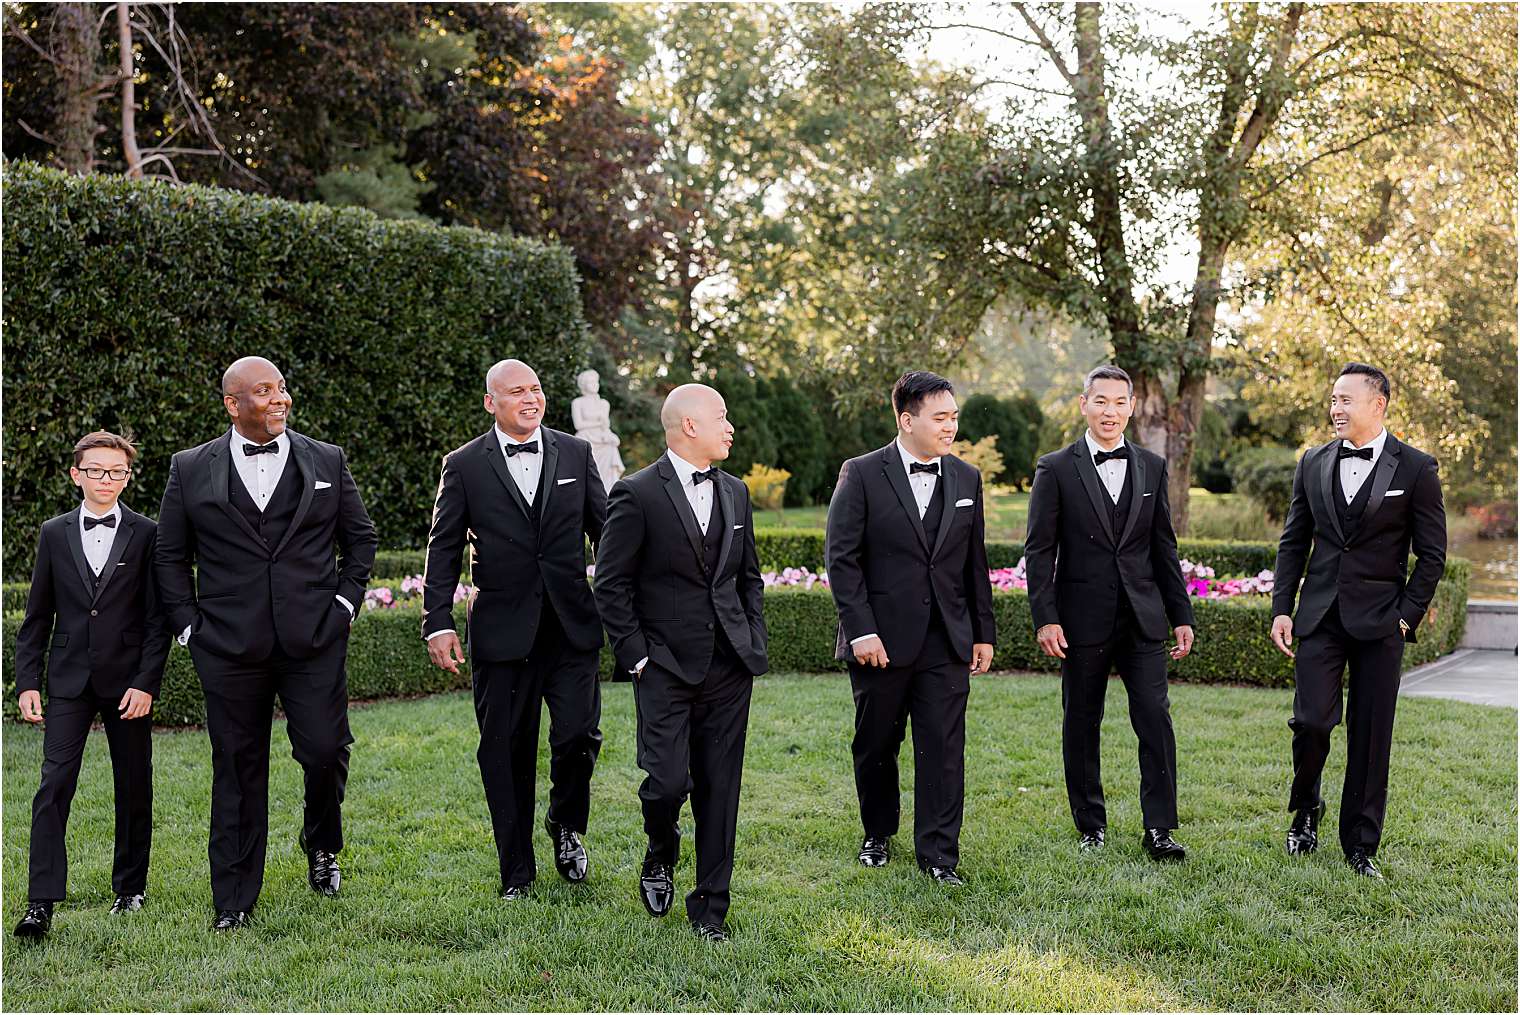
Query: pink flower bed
x,y
409,590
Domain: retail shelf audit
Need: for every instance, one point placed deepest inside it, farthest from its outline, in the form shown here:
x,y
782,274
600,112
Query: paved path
x,y
1481,676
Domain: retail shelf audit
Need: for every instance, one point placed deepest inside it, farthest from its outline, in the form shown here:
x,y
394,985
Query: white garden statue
x,y
592,417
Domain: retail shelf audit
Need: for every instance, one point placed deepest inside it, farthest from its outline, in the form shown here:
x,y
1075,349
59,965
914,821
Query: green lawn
x,y
418,927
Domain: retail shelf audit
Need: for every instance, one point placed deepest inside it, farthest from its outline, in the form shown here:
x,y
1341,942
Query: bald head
x,y
255,395
515,398
237,377
696,424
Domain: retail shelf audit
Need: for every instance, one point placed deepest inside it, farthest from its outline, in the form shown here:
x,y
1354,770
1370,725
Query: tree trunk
x,y
76,53
128,93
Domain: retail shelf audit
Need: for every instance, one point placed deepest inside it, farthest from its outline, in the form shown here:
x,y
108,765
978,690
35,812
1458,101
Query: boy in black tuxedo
x,y
93,612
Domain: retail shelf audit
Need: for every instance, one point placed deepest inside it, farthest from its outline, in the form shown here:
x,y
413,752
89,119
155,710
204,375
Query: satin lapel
x,y
891,467
118,550
1382,478
1088,473
1327,487
304,462
76,548
683,508
947,472
218,480
726,499
551,464
1136,477
492,450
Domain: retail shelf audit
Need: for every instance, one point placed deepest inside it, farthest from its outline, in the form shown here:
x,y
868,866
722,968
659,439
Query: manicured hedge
x,y
125,300
386,656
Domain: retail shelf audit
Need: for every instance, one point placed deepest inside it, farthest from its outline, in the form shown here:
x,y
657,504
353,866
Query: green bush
x,y
1015,422
1265,474
125,300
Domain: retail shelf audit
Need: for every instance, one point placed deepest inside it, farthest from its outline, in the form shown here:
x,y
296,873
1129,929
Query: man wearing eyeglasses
x,y
93,613
266,614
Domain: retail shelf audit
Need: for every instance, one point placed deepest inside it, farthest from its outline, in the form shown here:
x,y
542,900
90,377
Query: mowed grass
x,y
418,926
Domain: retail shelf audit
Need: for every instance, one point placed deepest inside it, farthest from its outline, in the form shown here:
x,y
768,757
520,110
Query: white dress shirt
x,y
1354,471
922,484
1111,472
97,540
525,468
698,495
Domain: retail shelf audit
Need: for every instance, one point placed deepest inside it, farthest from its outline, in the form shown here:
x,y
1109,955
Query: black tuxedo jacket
x,y
655,598
882,570
240,582
517,556
1366,568
1076,564
106,634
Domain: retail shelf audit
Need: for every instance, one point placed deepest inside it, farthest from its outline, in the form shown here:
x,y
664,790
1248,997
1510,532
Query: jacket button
x,y
709,625
931,567
94,613
926,600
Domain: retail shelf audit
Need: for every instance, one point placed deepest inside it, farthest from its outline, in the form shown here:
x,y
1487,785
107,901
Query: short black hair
x,y
1106,372
913,387
1376,377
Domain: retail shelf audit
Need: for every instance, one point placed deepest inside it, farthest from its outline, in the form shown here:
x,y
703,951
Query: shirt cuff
x,y
435,634
862,637
347,606
184,636
639,666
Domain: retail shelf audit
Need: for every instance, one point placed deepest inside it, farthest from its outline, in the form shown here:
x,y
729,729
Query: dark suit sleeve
x,y
357,540
843,547
1164,563
1040,545
173,553
978,584
37,626
445,547
155,643
752,585
617,567
596,503
1428,540
1293,547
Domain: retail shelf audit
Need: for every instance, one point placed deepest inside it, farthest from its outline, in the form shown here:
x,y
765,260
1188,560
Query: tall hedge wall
x,y
124,301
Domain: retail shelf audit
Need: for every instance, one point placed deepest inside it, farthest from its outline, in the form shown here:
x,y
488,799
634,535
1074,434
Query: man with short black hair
x,y
907,564
1105,587
1361,502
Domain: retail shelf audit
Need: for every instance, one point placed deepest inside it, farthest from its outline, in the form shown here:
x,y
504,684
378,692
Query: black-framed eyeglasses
x,y
117,475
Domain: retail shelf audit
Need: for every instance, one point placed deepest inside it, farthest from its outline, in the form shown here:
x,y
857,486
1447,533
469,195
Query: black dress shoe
x,y
713,932
569,852
231,919
945,876
1091,841
657,887
322,872
1363,865
1303,833
511,893
128,904
874,851
37,921
1161,846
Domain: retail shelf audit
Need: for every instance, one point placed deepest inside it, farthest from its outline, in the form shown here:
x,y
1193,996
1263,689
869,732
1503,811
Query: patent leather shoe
x,y
37,921
128,904
231,919
713,932
1091,841
1161,846
874,851
1303,833
945,876
322,872
1360,862
657,886
569,852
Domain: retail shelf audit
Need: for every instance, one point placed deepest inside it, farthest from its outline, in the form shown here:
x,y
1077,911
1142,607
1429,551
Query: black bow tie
x,y
272,448
1121,453
930,467
109,521
705,477
1365,454
530,448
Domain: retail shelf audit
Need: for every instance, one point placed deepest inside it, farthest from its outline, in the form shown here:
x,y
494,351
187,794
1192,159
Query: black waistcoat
x,y
712,540
1118,511
275,519
1351,514
934,514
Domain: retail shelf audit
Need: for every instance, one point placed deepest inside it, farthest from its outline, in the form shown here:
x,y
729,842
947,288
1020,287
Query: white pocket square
x,y
1394,493
964,502
322,486
562,482
1151,494
738,527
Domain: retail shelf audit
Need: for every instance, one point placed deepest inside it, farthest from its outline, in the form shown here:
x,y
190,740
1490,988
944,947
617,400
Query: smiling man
x,y
1105,587
1361,502
250,583
679,588
524,498
907,563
